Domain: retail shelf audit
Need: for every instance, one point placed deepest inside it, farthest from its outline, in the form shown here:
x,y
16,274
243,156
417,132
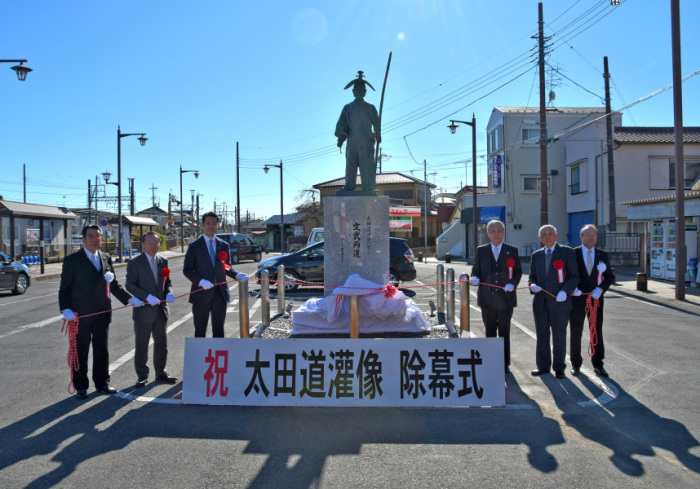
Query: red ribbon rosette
x,y
559,267
510,263
389,291
165,273
223,256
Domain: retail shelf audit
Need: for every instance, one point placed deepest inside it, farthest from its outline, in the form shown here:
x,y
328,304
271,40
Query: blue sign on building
x,y
497,171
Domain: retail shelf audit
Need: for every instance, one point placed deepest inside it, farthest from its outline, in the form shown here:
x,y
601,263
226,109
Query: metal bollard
x,y
280,290
440,279
450,295
354,316
464,303
642,282
432,308
243,308
451,329
288,309
258,331
265,296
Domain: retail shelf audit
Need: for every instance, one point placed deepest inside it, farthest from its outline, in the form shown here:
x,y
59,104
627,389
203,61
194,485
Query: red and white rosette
x,y
165,273
601,268
223,256
510,263
559,267
109,276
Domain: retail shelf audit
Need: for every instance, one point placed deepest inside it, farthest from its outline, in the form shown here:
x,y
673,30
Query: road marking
x,y
29,299
633,299
40,324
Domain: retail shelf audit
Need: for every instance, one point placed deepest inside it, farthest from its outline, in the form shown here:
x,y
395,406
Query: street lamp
x,y
20,69
142,139
182,214
267,169
453,128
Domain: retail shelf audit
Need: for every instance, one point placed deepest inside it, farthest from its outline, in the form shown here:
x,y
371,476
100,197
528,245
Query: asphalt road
x,y
640,428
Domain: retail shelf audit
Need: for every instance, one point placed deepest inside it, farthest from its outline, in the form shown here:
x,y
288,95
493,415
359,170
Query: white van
x,y
315,236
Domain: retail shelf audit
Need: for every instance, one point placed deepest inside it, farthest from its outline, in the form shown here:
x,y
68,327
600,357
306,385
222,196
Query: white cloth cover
x,y
378,314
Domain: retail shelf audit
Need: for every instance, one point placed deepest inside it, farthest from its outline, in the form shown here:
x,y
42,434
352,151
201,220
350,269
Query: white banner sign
x,y
344,373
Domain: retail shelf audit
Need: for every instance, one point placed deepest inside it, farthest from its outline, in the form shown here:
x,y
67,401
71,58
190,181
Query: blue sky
x,y
198,77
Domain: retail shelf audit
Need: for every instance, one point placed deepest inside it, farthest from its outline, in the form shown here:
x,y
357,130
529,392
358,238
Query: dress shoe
x,y
141,381
507,370
168,379
600,371
107,389
537,372
560,375
81,394
575,371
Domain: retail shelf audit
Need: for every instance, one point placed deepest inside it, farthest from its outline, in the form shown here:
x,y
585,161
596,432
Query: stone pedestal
x,y
356,235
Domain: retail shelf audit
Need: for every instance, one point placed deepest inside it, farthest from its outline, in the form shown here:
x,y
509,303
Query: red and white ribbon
x,y
109,276
559,266
510,263
601,268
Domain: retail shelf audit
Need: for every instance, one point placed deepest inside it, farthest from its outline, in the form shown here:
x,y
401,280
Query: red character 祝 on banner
x,y
218,367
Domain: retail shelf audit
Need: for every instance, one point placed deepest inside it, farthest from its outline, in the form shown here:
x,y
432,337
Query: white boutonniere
x,y
601,267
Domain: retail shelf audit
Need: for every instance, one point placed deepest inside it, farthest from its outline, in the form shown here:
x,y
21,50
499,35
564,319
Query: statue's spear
x,y
381,107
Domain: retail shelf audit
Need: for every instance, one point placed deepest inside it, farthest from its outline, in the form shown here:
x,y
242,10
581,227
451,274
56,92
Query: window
x,y
692,173
531,184
575,180
531,136
494,140
405,194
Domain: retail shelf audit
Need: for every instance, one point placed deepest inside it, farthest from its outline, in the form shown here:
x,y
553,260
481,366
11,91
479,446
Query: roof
x,y
288,219
20,209
135,221
664,198
445,212
552,110
155,210
382,179
648,135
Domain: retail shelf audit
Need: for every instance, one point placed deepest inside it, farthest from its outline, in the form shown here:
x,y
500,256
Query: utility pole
x,y
238,192
153,195
425,205
89,202
198,214
544,188
680,163
24,180
612,219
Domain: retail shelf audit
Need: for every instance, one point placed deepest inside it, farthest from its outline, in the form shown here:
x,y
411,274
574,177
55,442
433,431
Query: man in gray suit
x,y
146,281
553,278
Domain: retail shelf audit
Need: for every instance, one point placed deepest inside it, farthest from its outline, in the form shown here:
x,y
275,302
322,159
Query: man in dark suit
x,y
146,281
592,263
497,263
204,269
85,279
553,277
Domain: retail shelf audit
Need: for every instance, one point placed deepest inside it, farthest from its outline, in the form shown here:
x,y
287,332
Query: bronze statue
x,y
359,124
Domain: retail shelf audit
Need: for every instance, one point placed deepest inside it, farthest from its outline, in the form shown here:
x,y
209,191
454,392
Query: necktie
x,y
496,252
154,268
96,261
589,262
548,258
212,252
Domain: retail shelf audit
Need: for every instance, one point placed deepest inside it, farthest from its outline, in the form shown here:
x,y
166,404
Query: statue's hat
x,y
360,79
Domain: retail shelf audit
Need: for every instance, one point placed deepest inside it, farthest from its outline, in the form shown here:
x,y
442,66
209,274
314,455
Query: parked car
x,y
306,265
315,236
242,247
13,275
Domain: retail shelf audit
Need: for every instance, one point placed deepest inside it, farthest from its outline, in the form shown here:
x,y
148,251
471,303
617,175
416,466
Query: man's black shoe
x,y
168,379
108,389
538,372
575,371
81,394
600,371
141,381
560,375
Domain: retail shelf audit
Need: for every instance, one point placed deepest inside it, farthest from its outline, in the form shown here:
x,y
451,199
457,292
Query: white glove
x,y
152,300
535,288
474,281
561,296
597,292
68,315
109,276
205,284
135,302
577,292
170,298
241,277
509,287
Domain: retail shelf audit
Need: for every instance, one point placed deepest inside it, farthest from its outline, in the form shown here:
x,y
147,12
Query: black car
x,y
306,265
242,247
13,275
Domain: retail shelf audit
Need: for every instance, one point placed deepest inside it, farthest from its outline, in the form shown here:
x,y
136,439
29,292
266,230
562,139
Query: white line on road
x,y
40,324
29,299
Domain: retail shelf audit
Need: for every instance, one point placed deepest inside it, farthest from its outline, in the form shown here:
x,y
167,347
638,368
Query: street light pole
x,y
267,169
453,128
182,214
142,139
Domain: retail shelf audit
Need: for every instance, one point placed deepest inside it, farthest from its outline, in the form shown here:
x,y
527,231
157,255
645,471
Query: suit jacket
x,y
198,266
549,281
140,282
83,288
490,271
587,283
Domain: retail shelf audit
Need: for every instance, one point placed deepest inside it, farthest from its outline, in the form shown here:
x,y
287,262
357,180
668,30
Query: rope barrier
x,y
70,328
